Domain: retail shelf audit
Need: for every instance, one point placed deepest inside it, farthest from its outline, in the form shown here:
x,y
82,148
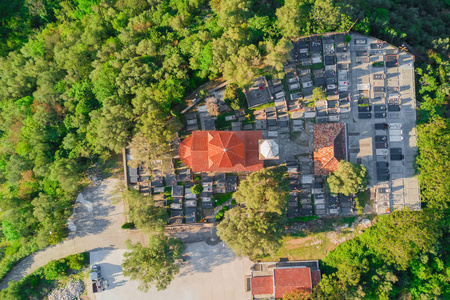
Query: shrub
x,y
55,268
196,189
218,217
128,225
220,213
348,38
234,96
233,202
77,261
225,208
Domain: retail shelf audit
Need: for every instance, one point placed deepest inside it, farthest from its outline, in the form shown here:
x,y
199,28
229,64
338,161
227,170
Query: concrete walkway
x,y
98,227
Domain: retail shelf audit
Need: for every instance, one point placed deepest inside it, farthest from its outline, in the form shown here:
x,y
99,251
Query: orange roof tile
x,y
185,151
222,151
262,285
288,279
330,147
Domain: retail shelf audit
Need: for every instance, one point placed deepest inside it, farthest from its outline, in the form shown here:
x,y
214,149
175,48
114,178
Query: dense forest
x,y
80,79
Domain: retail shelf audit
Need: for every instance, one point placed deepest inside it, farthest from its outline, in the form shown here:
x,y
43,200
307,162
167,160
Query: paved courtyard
x,y
209,273
402,190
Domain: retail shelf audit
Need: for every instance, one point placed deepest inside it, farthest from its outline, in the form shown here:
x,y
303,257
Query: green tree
x,y
278,54
243,66
398,239
152,140
197,189
55,269
251,233
154,265
265,191
261,220
234,96
434,145
66,172
325,16
77,261
143,212
348,178
289,18
233,12
319,94
297,294
14,169
110,128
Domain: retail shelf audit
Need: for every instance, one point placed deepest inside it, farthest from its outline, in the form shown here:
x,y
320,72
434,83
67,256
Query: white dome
x,y
269,149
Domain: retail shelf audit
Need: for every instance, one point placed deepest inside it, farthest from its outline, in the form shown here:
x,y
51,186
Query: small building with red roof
x,y
273,280
222,151
330,147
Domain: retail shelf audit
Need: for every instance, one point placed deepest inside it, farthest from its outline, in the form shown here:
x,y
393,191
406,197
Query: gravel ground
x,y
70,291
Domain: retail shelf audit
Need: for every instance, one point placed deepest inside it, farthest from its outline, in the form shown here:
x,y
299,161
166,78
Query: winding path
x,y
98,226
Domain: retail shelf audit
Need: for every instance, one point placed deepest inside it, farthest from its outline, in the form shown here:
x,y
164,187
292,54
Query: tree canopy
x,y
348,178
264,191
143,212
390,260
154,265
81,79
256,228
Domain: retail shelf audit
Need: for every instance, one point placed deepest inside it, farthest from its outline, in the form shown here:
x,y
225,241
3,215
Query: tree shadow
x,y
203,258
93,218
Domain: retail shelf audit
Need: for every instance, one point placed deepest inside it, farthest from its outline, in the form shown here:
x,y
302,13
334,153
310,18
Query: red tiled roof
x,y
288,279
185,150
262,285
329,147
221,151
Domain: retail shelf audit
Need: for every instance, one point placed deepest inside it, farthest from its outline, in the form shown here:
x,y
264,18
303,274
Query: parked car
x,y
364,115
96,279
378,76
381,145
380,115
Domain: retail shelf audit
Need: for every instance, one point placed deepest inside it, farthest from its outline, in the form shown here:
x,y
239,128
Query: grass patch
x,y
221,123
167,191
312,246
313,243
362,198
304,219
262,106
317,66
178,163
221,198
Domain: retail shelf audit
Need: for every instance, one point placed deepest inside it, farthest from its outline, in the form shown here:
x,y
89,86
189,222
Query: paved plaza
x,y
209,273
